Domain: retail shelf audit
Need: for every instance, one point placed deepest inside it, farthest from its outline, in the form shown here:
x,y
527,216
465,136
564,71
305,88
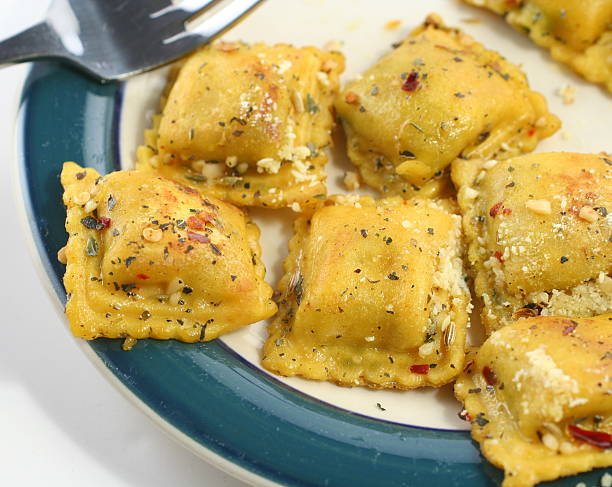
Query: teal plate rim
x,y
205,395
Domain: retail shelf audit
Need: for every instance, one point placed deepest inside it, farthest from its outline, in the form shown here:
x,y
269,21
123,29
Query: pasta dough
x,y
539,397
438,96
374,294
539,234
148,257
577,32
248,123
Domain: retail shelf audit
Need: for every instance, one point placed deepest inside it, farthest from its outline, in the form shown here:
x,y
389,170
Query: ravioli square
x,y
248,123
150,258
437,97
576,32
539,234
539,397
373,295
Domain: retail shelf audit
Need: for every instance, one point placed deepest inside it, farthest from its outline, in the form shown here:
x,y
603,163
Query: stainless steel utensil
x,y
114,39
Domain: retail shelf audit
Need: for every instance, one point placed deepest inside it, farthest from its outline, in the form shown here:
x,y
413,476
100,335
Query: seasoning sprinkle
x,y
311,106
92,247
111,202
199,178
480,420
449,334
89,222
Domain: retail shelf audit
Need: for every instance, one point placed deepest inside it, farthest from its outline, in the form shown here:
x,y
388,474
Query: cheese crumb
x,y
567,93
588,213
298,102
231,161
333,46
606,480
90,206
470,193
284,66
489,164
81,198
550,442
152,234
540,207
351,181
61,256
393,24
269,165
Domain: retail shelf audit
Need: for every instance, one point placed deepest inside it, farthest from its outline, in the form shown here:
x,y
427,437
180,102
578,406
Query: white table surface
x,y
61,423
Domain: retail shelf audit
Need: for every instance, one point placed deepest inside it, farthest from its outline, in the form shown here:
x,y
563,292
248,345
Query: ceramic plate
x,y
214,397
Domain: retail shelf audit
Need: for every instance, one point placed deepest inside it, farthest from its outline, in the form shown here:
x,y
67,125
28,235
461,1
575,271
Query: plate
x,y
214,397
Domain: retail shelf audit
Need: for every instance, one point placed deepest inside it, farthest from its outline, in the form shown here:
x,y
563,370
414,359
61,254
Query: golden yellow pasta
x,y
149,257
437,97
539,397
539,234
373,294
248,123
577,32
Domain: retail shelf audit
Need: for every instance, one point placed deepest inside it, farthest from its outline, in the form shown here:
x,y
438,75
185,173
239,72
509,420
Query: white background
x,y
61,422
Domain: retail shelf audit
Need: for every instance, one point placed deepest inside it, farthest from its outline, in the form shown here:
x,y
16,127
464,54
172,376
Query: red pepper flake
x,y
590,195
412,82
198,237
531,132
498,256
465,416
185,189
489,376
142,276
506,211
420,369
196,223
495,209
104,222
570,328
598,439
351,98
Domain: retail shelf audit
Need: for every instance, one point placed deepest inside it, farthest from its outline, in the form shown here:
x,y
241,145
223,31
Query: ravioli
x,y
539,234
577,32
539,396
248,123
438,96
373,295
150,258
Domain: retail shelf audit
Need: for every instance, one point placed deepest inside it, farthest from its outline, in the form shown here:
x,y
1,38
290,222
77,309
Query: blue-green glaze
x,y
205,390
